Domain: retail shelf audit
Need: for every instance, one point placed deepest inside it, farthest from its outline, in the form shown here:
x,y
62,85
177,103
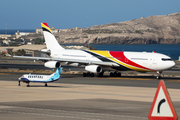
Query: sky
x,y
62,14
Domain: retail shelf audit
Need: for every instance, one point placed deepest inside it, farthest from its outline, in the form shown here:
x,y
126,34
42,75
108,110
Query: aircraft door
x,y
153,63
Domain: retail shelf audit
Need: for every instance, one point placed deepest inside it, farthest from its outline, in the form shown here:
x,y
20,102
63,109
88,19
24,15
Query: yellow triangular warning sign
x,y
162,107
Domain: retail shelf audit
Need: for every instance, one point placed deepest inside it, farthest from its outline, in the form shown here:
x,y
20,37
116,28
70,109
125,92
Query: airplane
x,y
27,78
98,61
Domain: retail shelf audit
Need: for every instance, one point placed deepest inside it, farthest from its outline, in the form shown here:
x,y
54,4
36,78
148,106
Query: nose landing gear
x,y
159,74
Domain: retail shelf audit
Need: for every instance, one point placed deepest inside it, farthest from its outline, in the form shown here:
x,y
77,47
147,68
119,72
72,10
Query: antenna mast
x,y
6,28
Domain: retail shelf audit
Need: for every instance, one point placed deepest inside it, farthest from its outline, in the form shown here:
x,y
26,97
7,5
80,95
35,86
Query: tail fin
x,y
58,71
50,39
57,74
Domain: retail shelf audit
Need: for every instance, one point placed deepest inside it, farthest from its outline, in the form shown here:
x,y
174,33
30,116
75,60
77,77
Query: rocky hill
x,y
163,29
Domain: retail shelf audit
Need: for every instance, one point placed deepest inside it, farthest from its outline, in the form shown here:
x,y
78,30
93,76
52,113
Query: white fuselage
x,y
139,61
41,78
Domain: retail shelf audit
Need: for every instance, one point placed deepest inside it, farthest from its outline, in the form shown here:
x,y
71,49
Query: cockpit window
x,y
166,59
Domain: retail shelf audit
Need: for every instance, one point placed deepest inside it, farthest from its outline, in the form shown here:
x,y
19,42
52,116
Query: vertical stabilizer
x,y
56,75
50,39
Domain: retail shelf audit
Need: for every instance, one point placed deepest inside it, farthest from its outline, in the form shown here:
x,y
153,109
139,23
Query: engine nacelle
x,y
93,68
52,64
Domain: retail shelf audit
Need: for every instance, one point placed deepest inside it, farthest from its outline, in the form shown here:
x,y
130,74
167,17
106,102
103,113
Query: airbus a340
x,y
96,61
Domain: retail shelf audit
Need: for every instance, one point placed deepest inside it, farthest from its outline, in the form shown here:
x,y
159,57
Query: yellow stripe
x,y
4,73
44,26
174,80
106,54
102,53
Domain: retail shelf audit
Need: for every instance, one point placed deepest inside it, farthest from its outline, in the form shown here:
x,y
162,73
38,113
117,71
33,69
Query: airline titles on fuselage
x,y
35,76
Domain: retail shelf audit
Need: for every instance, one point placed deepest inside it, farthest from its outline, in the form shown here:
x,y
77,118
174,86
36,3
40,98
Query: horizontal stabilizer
x,y
46,50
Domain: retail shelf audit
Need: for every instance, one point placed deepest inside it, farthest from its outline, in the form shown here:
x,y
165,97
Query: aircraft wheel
x,y
118,74
111,74
92,74
45,84
115,74
84,74
100,74
88,74
158,77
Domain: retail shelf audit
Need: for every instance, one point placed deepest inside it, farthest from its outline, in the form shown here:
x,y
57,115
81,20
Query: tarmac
x,y
76,98
86,99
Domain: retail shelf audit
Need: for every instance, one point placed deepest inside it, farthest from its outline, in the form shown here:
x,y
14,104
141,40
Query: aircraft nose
x,y
172,64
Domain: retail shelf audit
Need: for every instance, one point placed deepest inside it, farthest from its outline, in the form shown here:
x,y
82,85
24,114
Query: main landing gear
x,y
101,74
115,74
88,74
28,84
19,83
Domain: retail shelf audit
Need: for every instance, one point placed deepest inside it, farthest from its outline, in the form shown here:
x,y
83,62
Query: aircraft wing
x,y
34,58
69,60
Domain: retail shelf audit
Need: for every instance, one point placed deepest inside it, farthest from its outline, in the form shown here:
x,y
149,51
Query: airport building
x,y
4,36
34,50
31,50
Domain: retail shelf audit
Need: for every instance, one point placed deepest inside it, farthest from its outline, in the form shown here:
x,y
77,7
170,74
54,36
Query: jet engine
x,y
93,68
52,64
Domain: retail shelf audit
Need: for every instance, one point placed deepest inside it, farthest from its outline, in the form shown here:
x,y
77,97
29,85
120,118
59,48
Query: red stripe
x,y
121,57
46,24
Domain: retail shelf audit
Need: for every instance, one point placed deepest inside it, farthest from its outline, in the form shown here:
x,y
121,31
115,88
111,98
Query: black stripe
x,y
44,29
104,59
121,68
